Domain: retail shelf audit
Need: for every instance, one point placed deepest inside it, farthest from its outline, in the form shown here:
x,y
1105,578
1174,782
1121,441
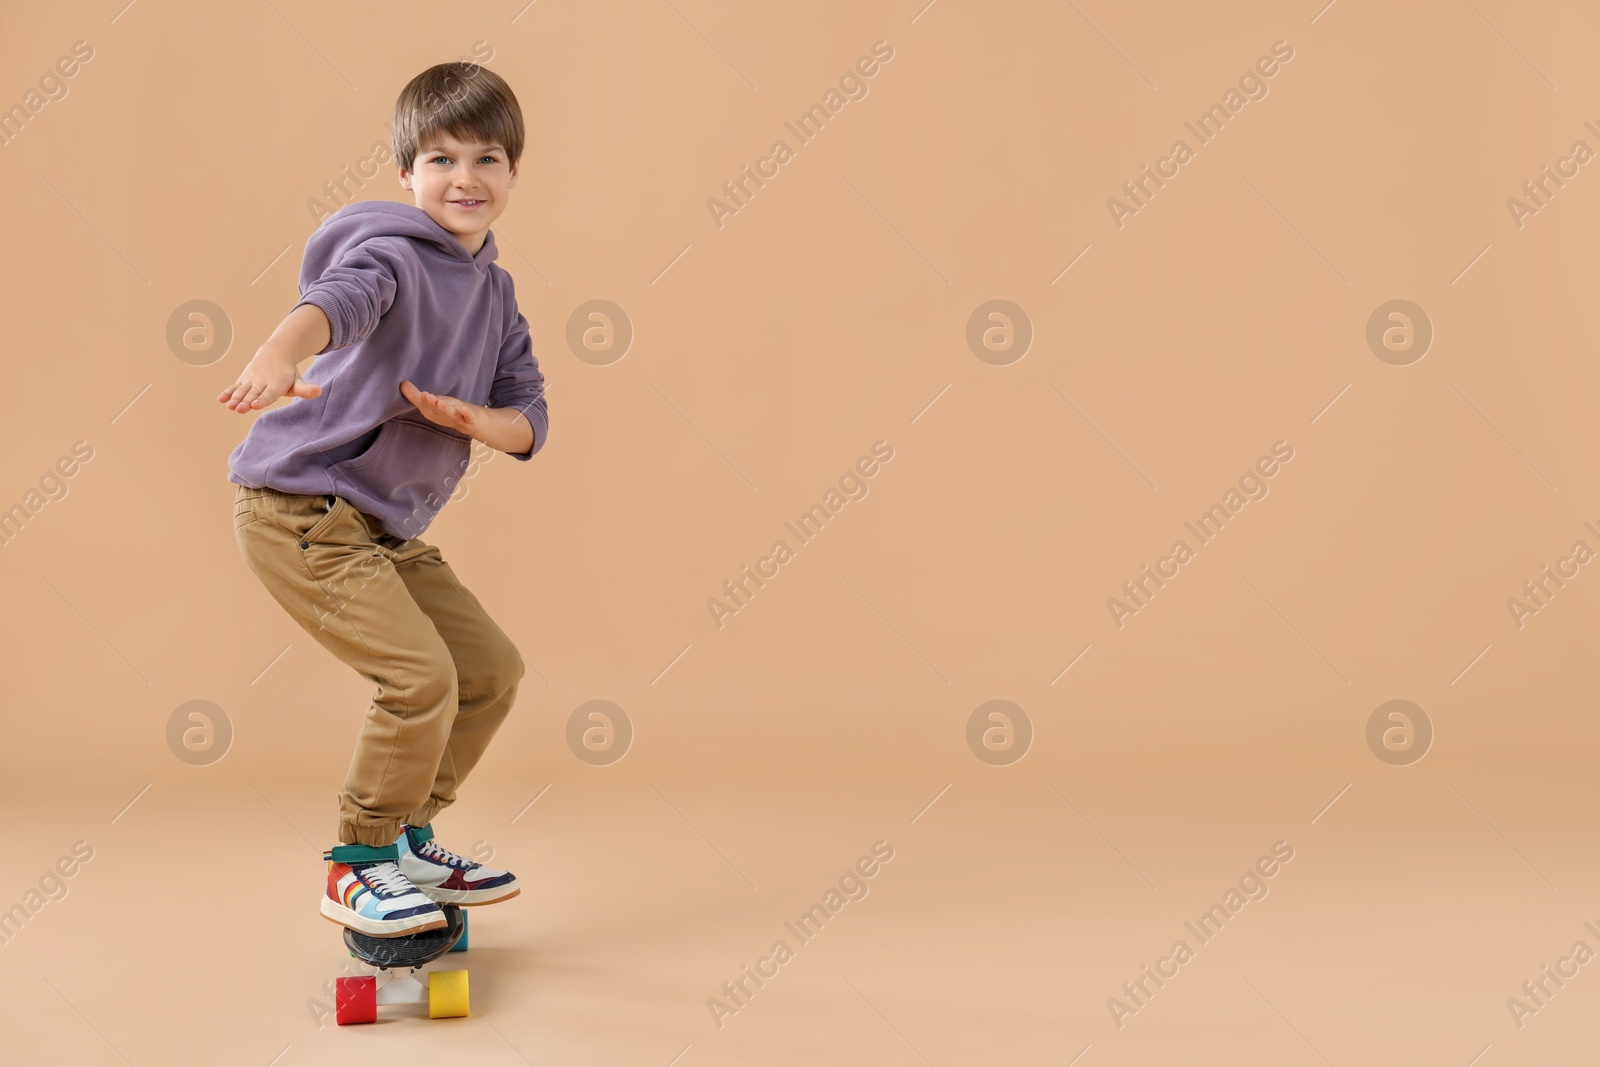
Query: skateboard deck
x,y
400,965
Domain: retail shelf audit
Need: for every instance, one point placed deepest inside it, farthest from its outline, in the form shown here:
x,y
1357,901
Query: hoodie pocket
x,y
406,463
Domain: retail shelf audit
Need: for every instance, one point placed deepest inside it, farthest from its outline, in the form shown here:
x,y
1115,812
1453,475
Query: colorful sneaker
x,y
446,877
368,892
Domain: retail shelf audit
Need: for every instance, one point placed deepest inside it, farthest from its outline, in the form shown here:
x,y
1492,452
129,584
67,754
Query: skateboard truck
x,y
401,974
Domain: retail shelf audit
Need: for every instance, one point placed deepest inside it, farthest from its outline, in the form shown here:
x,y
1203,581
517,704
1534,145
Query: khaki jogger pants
x,y
394,611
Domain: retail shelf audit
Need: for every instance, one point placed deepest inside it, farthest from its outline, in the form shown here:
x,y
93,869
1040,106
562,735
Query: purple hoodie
x,y
406,303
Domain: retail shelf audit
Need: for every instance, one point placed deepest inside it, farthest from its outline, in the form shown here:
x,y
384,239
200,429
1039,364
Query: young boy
x,y
426,352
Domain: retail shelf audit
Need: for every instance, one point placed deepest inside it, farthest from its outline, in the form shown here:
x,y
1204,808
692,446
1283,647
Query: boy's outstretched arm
x,y
503,429
275,371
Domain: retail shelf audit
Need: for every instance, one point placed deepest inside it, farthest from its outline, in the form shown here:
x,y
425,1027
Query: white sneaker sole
x,y
333,911
469,897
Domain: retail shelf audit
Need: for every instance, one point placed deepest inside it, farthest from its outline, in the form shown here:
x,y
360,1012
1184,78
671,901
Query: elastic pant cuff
x,y
423,816
374,834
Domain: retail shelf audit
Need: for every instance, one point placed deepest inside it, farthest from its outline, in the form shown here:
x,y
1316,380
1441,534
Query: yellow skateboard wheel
x,y
447,994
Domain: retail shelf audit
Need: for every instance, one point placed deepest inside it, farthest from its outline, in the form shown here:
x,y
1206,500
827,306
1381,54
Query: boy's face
x,y
462,186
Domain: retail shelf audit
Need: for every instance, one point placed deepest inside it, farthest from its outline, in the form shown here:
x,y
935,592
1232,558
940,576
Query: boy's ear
x,y
405,179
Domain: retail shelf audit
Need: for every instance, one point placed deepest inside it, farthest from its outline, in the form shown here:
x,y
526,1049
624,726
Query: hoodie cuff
x,y
538,417
338,322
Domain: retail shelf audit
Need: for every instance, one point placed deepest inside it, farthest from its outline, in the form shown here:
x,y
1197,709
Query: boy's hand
x,y
264,379
460,415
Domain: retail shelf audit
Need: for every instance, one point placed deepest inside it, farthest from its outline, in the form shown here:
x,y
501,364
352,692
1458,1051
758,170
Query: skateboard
x,y
401,973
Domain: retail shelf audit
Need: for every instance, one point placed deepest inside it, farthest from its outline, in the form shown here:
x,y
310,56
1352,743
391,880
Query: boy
x,y
426,351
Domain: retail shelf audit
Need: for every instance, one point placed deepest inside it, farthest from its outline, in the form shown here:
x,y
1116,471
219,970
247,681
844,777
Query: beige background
x,y
1231,713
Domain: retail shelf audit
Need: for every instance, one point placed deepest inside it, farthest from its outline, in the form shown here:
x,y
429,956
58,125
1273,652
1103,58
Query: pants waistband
x,y
248,491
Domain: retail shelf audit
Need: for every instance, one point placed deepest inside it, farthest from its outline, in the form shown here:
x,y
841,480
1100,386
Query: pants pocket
x,y
308,517
325,511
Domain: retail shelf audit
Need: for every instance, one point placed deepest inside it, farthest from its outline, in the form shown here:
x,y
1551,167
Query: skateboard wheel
x,y
461,945
447,994
356,999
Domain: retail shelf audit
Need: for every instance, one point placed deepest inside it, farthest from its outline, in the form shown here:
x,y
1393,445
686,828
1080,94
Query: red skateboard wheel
x,y
356,999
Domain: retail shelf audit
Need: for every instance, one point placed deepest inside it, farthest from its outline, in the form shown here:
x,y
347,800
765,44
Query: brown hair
x,y
462,99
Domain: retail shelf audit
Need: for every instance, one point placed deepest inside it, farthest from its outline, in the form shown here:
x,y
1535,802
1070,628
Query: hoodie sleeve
x,y
354,292
519,383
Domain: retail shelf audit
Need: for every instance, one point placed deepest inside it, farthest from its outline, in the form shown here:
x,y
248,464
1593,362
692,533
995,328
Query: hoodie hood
x,y
361,221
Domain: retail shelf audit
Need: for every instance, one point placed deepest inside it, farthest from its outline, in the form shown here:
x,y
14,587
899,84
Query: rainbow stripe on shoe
x,y
368,892
441,875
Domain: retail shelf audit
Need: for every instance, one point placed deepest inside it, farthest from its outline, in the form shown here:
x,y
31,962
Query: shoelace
x,y
386,876
432,850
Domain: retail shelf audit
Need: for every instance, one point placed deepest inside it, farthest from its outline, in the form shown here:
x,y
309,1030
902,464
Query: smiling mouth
x,y
465,203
